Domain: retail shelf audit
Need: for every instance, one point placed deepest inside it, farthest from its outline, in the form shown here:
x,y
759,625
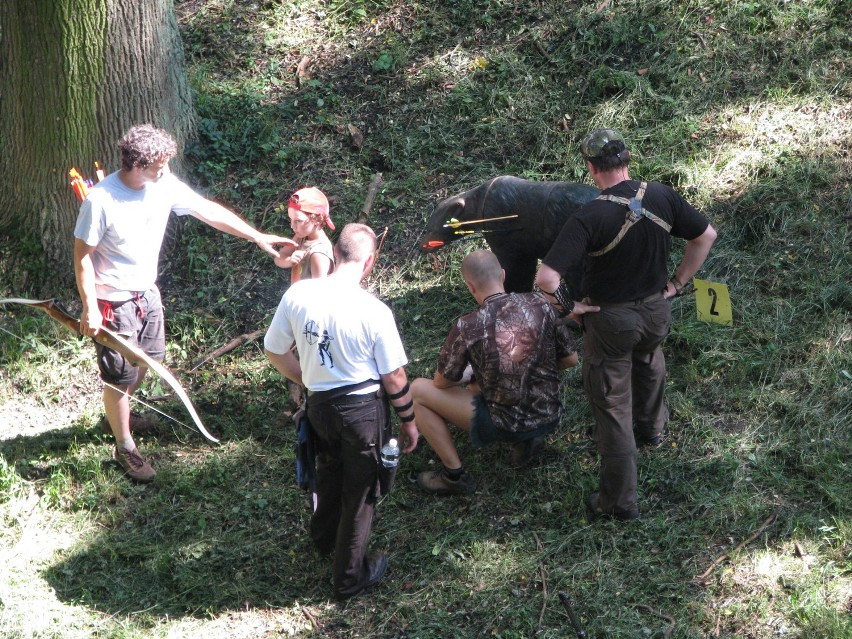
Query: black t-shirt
x,y
638,266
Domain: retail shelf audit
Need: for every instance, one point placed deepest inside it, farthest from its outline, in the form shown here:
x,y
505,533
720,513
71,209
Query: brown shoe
x,y
134,464
596,512
654,441
437,481
524,453
146,424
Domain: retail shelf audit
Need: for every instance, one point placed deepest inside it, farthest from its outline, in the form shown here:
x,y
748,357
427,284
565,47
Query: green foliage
x,y
10,482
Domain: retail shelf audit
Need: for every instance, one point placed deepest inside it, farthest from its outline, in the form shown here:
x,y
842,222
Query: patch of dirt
x,y
27,416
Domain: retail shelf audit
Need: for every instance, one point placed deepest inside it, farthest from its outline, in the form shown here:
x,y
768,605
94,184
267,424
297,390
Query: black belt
x,y
348,399
651,298
343,394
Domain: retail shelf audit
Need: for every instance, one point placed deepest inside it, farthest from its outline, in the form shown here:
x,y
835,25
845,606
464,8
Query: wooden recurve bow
x,y
111,340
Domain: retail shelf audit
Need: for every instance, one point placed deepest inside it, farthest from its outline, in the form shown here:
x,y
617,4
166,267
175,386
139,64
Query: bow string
x,y
109,339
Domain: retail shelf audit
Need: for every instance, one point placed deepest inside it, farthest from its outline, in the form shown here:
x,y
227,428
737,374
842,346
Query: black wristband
x,y
407,418
399,409
560,294
401,393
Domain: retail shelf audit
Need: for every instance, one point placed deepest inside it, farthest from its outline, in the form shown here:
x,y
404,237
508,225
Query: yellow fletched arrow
x,y
454,223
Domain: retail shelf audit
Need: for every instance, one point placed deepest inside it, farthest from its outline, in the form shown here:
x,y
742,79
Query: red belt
x,y
107,307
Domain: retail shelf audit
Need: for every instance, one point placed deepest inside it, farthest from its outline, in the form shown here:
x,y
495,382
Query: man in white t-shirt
x,y
118,236
351,360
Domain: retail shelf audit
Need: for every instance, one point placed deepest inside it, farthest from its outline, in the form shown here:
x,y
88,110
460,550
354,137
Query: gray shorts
x,y
483,431
140,321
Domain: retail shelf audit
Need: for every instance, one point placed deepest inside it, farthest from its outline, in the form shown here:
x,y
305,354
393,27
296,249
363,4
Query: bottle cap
x,y
392,443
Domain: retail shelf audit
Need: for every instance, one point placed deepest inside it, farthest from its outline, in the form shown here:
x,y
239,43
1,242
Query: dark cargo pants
x,y
624,376
349,432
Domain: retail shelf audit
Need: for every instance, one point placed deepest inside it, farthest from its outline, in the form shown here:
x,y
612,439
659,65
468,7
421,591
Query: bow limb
x,y
381,243
133,354
138,357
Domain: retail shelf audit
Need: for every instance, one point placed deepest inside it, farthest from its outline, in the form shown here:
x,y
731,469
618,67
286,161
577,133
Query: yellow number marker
x,y
713,302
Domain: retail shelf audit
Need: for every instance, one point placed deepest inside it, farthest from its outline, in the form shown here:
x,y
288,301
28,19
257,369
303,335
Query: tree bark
x,y
74,75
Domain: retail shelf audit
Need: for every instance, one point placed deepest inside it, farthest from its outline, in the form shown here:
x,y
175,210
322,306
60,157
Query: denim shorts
x,y
141,322
483,431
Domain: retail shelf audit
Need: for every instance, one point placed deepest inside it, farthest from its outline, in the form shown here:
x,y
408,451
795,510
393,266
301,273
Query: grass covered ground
x,y
742,106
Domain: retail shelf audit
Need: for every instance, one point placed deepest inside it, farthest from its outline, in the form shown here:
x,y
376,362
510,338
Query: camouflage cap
x,y
594,142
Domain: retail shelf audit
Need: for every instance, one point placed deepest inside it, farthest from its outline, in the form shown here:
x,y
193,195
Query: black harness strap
x,y
635,212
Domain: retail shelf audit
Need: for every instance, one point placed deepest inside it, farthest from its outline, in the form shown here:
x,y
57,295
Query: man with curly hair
x,y
118,236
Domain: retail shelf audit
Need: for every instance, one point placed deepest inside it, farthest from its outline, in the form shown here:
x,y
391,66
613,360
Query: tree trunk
x,y
74,75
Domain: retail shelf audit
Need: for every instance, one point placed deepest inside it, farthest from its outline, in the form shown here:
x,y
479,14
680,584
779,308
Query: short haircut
x,y
145,144
356,242
481,268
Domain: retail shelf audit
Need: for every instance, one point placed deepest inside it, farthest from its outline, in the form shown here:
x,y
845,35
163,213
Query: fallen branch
x,y
725,556
572,616
383,236
310,617
543,52
672,623
227,348
371,198
543,583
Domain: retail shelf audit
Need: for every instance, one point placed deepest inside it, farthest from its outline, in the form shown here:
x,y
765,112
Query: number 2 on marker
x,y
714,296
713,302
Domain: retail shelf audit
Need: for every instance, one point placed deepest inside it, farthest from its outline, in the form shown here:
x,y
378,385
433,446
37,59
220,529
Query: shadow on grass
x,y
224,530
199,541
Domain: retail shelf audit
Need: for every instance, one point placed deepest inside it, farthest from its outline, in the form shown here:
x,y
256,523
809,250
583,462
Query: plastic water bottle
x,y
390,454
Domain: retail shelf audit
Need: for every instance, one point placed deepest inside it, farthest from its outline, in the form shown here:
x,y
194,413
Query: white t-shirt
x,y
344,335
126,227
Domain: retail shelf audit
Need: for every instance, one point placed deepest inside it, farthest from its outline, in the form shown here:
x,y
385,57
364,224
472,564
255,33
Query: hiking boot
x,y
377,566
595,511
378,562
146,424
525,452
134,464
437,481
649,442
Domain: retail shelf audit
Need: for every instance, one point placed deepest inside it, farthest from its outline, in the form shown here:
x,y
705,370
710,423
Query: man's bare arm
x,y
568,361
548,280
84,272
227,221
286,364
395,383
694,255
